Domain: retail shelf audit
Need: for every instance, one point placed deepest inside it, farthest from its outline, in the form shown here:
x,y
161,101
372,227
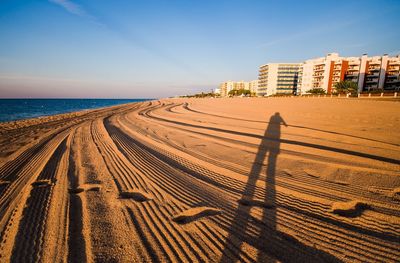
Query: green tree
x,y
317,91
238,92
232,92
346,87
245,92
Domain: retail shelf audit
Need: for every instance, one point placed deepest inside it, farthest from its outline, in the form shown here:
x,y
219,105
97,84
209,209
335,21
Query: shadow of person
x,y
262,234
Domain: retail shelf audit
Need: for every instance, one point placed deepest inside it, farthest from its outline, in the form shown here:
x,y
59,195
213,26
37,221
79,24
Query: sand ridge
x,y
217,180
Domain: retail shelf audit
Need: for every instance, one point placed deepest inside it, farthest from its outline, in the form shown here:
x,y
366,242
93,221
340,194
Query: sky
x,y
155,49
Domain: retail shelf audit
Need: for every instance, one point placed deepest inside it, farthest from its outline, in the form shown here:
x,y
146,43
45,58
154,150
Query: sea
x,y
19,109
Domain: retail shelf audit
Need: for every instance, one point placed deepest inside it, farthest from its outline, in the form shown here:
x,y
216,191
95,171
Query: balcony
x,y
352,72
374,69
373,63
373,75
393,69
351,78
392,75
392,81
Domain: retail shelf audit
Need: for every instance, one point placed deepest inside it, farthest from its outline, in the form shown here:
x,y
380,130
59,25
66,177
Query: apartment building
x,y
375,72
240,85
319,72
253,86
370,73
355,70
278,78
227,86
392,81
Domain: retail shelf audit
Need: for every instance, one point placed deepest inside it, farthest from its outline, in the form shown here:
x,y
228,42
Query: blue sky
x,y
137,49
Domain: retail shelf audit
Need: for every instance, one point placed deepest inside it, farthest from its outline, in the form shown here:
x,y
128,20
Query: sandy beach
x,y
204,180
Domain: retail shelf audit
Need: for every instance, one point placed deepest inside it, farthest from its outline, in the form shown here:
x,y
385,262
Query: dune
x,y
204,180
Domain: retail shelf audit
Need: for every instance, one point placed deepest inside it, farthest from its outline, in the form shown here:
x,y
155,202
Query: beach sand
x,y
217,180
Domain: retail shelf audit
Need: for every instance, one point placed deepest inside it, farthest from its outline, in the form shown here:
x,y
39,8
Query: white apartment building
x,y
375,72
354,70
253,86
227,86
370,73
315,73
378,72
278,78
304,83
392,81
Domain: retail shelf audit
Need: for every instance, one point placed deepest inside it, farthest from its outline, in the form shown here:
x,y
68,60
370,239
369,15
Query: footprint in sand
x,y
4,183
349,209
248,201
287,172
85,187
195,213
396,193
42,183
312,173
136,195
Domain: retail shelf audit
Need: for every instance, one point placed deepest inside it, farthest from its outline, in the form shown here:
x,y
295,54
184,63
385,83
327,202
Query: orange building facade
x,y
370,73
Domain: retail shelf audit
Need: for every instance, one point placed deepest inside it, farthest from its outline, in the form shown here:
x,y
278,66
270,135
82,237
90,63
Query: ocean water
x,y
18,109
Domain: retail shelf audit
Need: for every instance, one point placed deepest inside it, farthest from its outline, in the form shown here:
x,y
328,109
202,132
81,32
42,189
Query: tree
x,y
346,87
238,92
232,92
245,92
317,91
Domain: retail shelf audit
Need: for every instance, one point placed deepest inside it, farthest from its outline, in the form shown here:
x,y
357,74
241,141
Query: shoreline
x,y
61,115
68,111
204,180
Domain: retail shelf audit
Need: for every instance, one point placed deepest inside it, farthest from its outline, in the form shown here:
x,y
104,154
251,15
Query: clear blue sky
x,y
133,49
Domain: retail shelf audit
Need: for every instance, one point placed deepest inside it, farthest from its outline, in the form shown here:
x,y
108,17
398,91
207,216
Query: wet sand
x,y
218,180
